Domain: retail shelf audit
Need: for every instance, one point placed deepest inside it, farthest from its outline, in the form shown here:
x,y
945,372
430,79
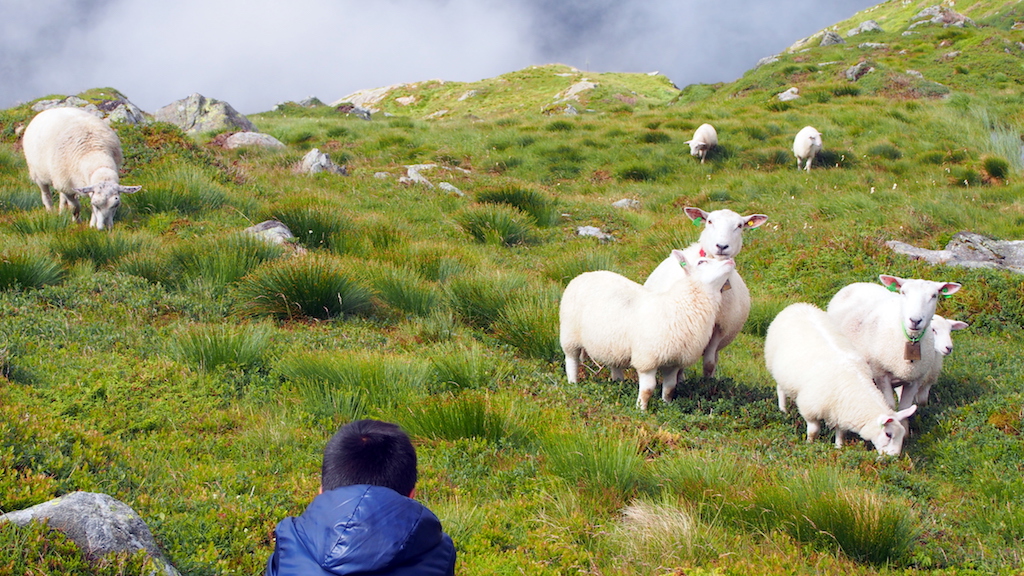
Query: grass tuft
x,y
497,224
28,270
306,287
209,346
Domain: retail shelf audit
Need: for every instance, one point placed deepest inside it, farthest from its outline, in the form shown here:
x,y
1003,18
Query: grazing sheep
x,y
620,323
816,365
77,154
891,330
806,146
942,331
722,237
704,139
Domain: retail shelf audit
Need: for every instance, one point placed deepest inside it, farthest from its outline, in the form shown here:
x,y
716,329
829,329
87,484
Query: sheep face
x,y
105,197
918,299
710,272
697,148
943,331
722,236
893,431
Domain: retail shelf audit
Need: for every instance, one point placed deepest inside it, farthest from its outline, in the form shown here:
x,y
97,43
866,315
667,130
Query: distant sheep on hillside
x,y
77,154
704,139
806,146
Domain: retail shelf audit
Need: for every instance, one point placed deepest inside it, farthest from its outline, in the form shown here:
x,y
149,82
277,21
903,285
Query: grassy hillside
x,y
195,374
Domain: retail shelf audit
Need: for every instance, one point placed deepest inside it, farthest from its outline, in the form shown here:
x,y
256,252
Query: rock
x,y
437,114
272,231
593,231
448,187
969,250
940,15
361,113
570,110
950,55
915,74
413,176
118,109
872,45
405,100
467,95
242,139
830,38
767,60
866,26
98,523
626,203
310,102
573,92
857,71
316,161
928,12
197,114
791,94
381,175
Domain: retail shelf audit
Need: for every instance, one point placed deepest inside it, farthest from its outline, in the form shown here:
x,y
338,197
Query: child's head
x,y
369,452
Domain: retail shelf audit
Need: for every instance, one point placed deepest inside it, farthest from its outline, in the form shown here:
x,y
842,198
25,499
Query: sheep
x,y
76,153
816,365
892,330
620,323
806,146
942,331
722,237
704,139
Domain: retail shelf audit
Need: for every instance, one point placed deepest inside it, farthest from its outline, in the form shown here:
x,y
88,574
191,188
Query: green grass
x,y
195,373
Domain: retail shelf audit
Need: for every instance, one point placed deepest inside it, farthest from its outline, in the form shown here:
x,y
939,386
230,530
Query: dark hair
x,y
370,452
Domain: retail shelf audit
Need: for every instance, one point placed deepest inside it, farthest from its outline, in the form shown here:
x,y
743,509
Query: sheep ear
x,y
884,419
949,288
755,220
904,414
891,282
958,325
83,191
129,189
695,213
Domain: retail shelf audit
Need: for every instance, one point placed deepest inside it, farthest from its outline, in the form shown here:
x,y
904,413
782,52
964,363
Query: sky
x,y
256,53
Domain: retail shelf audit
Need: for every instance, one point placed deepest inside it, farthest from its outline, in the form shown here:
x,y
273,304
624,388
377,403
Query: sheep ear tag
x,y
892,287
698,221
912,351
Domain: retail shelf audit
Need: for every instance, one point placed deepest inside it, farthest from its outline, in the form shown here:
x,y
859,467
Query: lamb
x,y
620,323
942,331
891,331
704,139
816,365
722,237
806,146
76,153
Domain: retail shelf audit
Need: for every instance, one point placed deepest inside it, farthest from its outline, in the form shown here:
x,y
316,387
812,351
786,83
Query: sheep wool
x,y
620,323
704,139
76,153
806,146
722,237
816,365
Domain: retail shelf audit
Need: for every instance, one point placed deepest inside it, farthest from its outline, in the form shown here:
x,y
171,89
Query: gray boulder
x,y
197,114
98,523
788,95
593,231
859,70
242,139
866,26
830,38
450,188
969,250
117,109
316,161
627,203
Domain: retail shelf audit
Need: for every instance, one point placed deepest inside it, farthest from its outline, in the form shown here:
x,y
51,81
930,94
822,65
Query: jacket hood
x,y
355,529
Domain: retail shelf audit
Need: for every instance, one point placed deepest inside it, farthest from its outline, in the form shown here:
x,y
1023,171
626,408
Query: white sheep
x,y
891,330
806,146
942,331
704,139
77,154
620,323
816,365
722,237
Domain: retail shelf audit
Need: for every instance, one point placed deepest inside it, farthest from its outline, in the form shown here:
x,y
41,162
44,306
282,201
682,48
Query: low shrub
x,y
995,167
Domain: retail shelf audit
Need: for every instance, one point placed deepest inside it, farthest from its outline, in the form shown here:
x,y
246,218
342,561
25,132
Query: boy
x,y
364,520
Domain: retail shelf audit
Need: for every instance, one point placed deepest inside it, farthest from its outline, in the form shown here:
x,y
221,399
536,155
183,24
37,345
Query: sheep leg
x,y
711,353
47,199
782,399
72,204
840,436
909,395
617,373
648,382
572,365
885,385
813,429
922,395
668,382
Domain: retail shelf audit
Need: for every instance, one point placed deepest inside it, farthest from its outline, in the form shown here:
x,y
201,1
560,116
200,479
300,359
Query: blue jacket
x,y
362,530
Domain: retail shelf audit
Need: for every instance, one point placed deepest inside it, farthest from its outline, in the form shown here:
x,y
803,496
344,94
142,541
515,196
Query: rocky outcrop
x,y
866,26
243,139
941,15
316,161
117,109
969,250
99,524
858,71
830,38
197,114
790,94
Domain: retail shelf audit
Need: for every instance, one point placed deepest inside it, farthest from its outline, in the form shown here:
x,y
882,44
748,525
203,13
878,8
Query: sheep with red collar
x,y
76,153
620,323
815,364
722,238
889,324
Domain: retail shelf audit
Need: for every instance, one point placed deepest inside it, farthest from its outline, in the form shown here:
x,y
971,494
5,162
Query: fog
x,y
255,53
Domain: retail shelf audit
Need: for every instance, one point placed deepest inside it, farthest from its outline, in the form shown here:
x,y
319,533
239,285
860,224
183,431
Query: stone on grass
x,y
969,250
830,38
626,203
791,94
866,26
197,114
242,139
449,187
593,231
316,161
